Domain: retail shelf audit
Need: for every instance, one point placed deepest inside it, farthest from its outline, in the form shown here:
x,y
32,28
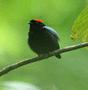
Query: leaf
x,y
80,26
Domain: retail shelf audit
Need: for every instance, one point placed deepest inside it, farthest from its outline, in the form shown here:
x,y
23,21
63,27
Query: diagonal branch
x,y
9,68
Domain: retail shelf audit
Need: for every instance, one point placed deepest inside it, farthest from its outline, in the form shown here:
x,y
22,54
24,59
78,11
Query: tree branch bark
x,y
9,68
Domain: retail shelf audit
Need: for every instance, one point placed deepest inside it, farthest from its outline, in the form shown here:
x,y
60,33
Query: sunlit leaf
x,y
80,26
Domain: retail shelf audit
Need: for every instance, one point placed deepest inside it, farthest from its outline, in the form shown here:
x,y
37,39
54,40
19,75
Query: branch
x,y
35,59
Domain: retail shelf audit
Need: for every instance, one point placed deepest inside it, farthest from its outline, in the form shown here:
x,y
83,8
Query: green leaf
x,y
80,26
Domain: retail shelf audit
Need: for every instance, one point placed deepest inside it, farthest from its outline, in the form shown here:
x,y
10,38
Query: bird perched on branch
x,y
42,39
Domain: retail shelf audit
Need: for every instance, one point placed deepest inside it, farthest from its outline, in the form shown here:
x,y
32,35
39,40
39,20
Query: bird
x,y
42,39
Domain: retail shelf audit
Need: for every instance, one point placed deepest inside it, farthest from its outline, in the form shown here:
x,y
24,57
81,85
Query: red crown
x,y
38,20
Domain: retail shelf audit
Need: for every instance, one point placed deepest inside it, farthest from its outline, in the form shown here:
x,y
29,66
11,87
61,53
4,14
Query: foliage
x,y
80,27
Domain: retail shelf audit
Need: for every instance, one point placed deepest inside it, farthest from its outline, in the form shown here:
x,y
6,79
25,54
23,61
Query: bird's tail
x,y
58,56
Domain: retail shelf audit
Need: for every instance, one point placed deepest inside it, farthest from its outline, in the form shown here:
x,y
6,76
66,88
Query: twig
x,y
9,68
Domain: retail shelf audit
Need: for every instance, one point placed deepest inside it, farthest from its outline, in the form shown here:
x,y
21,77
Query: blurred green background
x,y
68,73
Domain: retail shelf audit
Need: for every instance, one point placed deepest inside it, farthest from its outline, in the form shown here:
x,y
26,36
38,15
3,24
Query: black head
x,y
36,24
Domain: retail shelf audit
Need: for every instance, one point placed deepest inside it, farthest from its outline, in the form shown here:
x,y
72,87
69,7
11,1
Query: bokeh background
x,y
68,73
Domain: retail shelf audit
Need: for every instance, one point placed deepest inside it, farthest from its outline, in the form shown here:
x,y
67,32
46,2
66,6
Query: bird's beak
x,y
29,23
